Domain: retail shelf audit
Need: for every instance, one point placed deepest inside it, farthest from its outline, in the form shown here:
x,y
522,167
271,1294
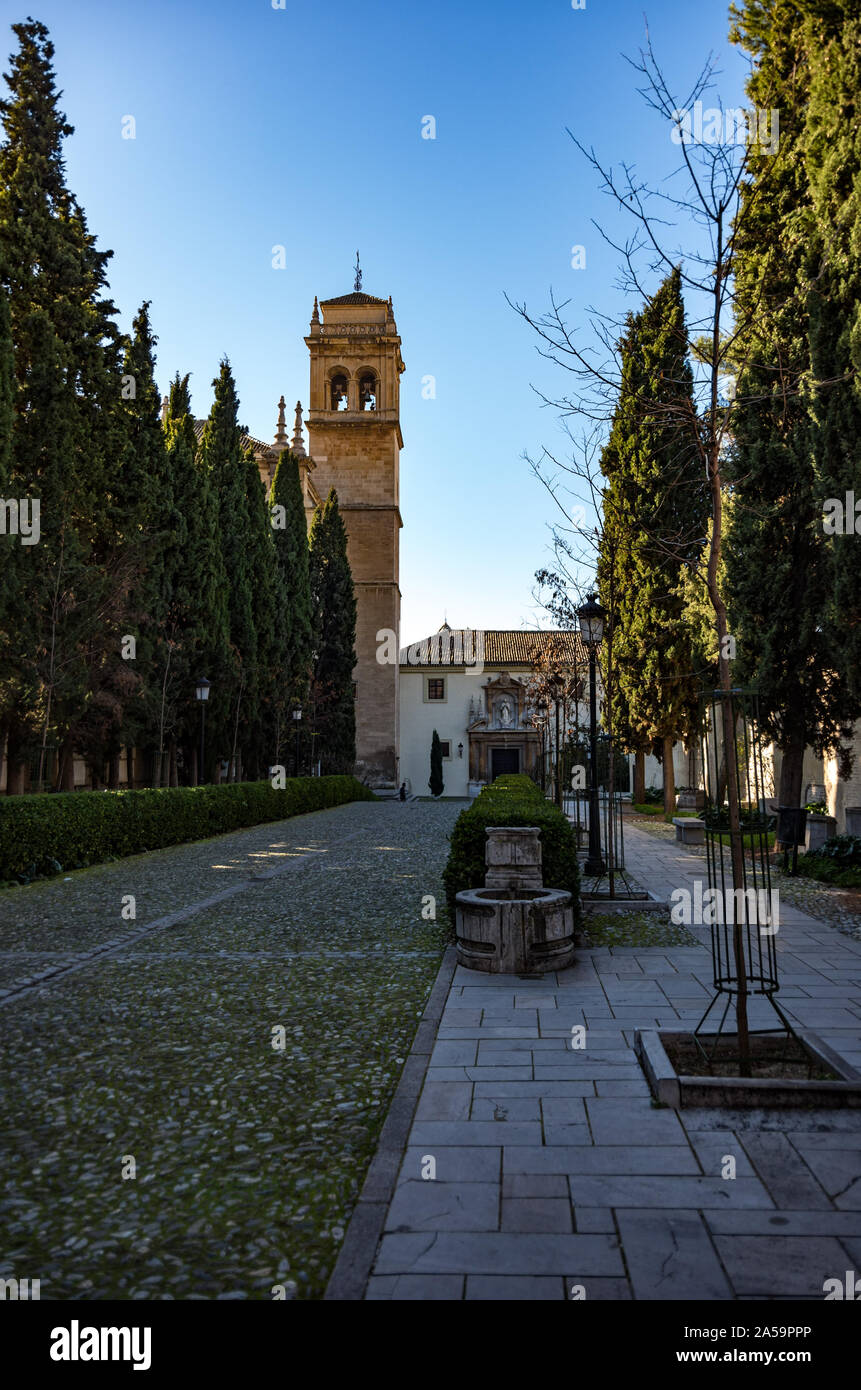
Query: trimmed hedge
x,y
512,799
50,833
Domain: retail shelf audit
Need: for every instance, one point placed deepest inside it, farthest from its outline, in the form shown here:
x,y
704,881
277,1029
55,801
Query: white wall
x,y
419,718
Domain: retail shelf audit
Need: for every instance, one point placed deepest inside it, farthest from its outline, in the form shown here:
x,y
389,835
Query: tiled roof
x,y
355,297
515,647
246,440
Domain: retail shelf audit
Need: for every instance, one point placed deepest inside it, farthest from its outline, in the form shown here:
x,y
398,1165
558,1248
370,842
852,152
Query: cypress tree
x,y
833,167
197,622
267,614
777,565
146,518
435,781
223,463
8,544
290,533
333,606
655,517
68,427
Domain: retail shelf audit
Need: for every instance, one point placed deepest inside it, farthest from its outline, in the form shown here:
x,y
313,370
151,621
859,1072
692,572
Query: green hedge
x,y
512,800
54,832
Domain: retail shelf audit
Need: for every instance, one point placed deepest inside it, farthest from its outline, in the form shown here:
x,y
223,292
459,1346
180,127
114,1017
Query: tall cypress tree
x,y
333,604
8,544
778,574
267,614
197,623
223,463
68,426
146,519
290,533
655,518
833,166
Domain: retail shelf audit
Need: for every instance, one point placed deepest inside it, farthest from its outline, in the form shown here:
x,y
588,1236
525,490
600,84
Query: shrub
x,y
842,850
52,832
838,861
512,800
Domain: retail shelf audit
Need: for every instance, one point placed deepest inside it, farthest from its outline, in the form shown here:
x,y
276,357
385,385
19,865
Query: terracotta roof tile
x,y
514,647
355,297
245,440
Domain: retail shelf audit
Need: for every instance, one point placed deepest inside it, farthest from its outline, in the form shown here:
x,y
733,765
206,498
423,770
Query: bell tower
x,y
355,441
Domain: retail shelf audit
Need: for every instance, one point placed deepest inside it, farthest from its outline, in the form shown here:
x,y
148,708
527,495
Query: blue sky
x,y
301,126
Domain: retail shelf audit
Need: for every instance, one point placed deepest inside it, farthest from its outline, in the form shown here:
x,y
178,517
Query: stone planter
x,y
853,820
819,829
513,857
690,801
518,931
737,1092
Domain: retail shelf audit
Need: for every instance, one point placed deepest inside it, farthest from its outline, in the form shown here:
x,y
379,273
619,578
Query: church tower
x,y
355,441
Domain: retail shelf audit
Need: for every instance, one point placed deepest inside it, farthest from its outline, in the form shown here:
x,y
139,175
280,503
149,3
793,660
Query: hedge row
x,y
513,799
54,832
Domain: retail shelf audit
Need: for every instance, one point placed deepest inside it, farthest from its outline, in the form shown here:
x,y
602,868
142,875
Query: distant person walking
x,y
403,791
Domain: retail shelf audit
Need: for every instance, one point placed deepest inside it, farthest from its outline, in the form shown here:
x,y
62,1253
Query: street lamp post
x,y
591,617
557,776
297,719
202,693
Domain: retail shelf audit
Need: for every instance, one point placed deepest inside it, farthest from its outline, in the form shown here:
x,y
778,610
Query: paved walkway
x,y
556,1175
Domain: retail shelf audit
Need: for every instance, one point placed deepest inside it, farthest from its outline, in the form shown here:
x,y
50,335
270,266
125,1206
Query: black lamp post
x,y
297,719
555,682
542,729
202,692
591,617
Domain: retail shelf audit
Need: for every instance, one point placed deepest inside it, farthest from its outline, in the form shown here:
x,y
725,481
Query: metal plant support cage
x,y
577,807
748,907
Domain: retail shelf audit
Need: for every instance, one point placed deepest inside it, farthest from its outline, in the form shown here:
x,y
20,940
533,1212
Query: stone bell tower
x,y
355,442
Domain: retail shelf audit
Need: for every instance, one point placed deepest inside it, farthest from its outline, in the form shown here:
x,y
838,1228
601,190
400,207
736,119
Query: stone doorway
x,y
504,760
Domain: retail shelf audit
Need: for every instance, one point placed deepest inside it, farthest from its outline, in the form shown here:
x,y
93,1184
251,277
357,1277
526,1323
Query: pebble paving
x,y
152,1039
841,907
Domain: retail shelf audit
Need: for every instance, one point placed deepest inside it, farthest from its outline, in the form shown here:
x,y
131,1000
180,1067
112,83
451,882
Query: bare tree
x,y
692,220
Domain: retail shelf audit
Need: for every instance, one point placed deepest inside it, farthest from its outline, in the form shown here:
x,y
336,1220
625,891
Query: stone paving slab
x,y
498,1253
584,1154
670,1256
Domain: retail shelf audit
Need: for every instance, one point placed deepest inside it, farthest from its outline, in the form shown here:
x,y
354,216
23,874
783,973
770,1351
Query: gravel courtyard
x,y
155,1038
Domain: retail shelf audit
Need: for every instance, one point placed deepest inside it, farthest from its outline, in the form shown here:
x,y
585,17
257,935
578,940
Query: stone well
x,y
514,924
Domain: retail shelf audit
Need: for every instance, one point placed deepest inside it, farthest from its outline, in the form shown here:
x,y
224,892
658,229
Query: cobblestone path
x,y
150,1038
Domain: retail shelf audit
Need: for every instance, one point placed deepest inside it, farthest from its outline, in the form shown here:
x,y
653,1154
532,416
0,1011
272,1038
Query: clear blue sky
x,y
258,126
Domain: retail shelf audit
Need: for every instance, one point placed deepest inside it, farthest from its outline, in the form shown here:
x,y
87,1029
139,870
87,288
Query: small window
x,y
436,687
445,745
355,691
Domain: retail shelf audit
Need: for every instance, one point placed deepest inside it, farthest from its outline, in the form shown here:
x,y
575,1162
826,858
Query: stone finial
x,y
165,404
281,430
315,317
298,445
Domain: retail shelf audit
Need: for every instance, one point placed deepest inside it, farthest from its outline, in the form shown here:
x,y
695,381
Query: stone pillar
x,y
513,857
